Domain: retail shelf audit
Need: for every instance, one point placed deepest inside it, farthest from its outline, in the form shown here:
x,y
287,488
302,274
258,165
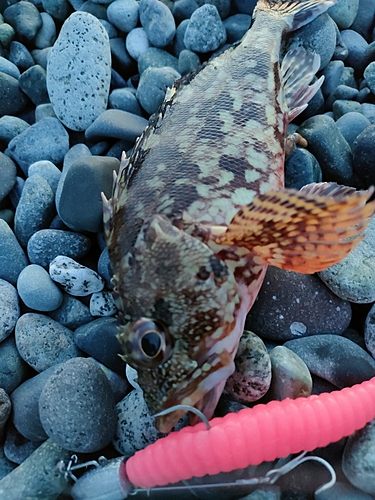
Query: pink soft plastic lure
x,y
252,436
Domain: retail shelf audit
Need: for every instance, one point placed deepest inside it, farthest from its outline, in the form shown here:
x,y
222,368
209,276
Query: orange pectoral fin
x,y
304,231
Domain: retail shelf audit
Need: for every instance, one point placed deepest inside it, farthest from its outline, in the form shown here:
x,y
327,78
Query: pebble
x,y
153,85
10,126
236,26
205,31
290,376
157,21
6,466
12,257
98,339
41,56
7,175
110,29
137,42
363,22
329,147
9,309
102,304
120,55
252,377
358,463
12,99
292,305
13,370
370,331
20,56
368,110
119,385
363,154
45,140
344,491
81,208
132,377
341,92
124,100
188,61
25,405
332,77
37,290
156,58
74,278
342,106
351,125
105,269
58,9
116,124
78,71
356,45
48,171
369,75
42,342
183,9
72,313
5,409
35,210
36,477
178,43
82,387
301,168
344,13
33,83
16,192
24,17
335,359
46,244
7,34
123,14
17,448
9,68
47,33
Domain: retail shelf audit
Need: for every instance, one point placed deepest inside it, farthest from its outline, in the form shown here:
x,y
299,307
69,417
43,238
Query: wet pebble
x,y
33,83
46,244
123,14
158,22
78,100
12,257
153,85
124,100
72,313
37,290
20,56
351,125
292,305
301,168
252,376
42,342
356,45
7,175
25,18
75,278
290,376
116,124
205,31
13,370
335,359
9,309
102,304
80,385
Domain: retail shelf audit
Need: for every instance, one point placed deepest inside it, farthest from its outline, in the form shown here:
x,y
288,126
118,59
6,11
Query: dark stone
x,y
33,83
12,99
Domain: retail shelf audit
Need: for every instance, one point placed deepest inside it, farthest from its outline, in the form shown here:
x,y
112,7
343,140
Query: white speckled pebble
x,y
102,304
9,309
76,279
137,42
79,71
37,290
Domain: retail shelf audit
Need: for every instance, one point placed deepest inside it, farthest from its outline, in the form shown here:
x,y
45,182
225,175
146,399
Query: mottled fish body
x,y
199,210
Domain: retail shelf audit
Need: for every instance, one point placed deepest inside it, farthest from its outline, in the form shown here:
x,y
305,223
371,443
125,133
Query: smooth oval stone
x,y
123,14
344,13
20,56
125,100
8,172
292,305
72,313
44,111
205,31
10,126
236,26
334,358
37,290
121,58
58,9
351,125
188,61
356,46
118,124
80,386
45,245
137,42
74,278
9,309
153,85
9,68
252,377
301,168
47,33
42,342
12,257
158,22
45,140
33,83
35,210
48,171
78,71
12,99
156,58
24,17
13,369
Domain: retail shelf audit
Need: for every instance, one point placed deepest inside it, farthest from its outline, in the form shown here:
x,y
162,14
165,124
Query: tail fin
x,y
297,13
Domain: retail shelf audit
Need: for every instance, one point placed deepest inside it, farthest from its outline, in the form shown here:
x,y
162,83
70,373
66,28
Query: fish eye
x,y
152,343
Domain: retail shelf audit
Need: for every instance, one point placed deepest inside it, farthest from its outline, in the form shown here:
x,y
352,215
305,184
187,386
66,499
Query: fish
x,y
199,210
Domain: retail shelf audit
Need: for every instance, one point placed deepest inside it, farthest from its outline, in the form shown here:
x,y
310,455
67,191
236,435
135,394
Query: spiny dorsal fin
x,y
304,231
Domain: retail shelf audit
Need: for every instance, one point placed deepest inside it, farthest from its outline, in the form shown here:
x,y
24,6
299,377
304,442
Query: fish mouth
x,y
201,390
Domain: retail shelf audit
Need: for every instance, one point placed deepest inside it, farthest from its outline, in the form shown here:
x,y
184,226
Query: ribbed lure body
x,y
252,436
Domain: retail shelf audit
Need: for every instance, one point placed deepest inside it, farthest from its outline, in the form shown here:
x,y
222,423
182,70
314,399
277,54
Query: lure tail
x,y
296,13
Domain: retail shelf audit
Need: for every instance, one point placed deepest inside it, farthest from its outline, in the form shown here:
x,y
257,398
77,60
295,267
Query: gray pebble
x,y
16,447
20,56
188,61
344,13
74,278
42,342
102,304
236,26
10,126
124,100
12,99
332,77
223,6
37,290
13,370
120,55
47,244
158,22
137,42
7,34
77,100
358,461
5,409
58,9
119,385
352,278
24,17
356,45
105,269
329,147
48,171
117,124
369,75
12,257
183,9
336,359
342,106
9,309
95,9
292,305
205,31
153,85
80,386
35,210
156,58
47,33
7,175
290,376
72,313
9,68
351,125
252,377
368,110
6,466
341,92
45,140
123,14
110,29
301,168
36,477
178,43
41,56
33,83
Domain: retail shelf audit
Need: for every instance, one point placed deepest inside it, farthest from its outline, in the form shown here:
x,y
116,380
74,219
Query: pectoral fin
x,y
304,231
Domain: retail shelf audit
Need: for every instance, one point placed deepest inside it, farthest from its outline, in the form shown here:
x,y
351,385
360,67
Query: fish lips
x,y
201,389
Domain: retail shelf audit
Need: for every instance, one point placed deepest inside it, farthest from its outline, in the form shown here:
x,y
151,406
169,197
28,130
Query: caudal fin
x,y
297,13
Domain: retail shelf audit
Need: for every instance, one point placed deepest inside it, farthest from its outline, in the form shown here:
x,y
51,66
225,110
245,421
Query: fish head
x,y
177,303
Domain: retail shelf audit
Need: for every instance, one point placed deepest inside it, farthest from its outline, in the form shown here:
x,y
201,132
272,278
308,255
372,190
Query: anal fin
x,y
304,231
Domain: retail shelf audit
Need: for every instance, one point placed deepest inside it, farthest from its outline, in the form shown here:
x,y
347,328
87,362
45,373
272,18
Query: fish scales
x,y
199,211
